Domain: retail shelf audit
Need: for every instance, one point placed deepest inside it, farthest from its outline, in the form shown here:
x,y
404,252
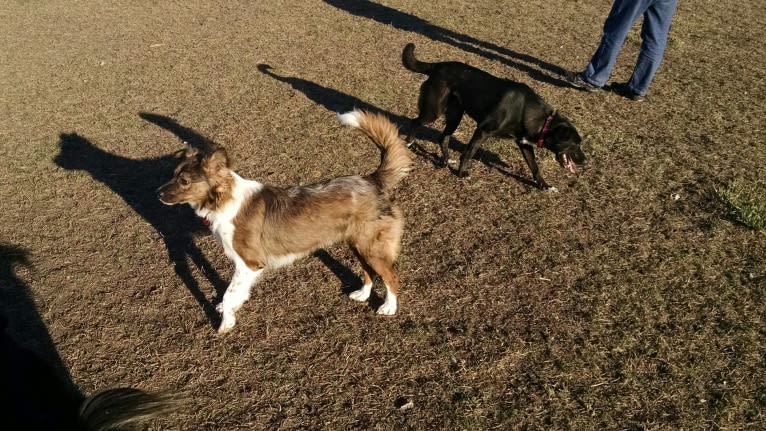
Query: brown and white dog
x,y
262,226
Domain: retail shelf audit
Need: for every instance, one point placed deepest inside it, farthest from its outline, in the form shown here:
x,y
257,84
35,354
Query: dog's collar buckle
x,y
546,127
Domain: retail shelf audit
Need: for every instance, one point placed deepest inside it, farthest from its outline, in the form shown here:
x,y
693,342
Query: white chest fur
x,y
222,220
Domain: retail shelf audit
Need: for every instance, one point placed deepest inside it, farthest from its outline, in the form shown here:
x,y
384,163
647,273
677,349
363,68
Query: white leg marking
x,y
389,305
236,294
227,322
362,294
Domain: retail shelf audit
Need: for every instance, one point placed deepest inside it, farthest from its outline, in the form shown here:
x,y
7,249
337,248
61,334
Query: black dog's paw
x,y
441,163
462,174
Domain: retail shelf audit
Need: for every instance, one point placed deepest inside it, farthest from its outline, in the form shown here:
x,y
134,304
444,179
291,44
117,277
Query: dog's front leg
x,y
529,156
236,294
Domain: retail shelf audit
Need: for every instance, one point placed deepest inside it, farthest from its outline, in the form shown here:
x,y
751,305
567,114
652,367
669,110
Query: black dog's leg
x,y
431,103
453,114
414,125
529,156
478,138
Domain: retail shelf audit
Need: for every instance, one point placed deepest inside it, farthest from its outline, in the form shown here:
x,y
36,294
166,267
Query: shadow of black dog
x,y
535,68
337,101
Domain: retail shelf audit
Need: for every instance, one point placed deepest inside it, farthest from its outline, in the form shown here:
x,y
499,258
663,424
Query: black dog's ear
x,y
216,161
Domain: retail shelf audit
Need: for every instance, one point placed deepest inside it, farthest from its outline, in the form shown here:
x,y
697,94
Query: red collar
x,y
546,127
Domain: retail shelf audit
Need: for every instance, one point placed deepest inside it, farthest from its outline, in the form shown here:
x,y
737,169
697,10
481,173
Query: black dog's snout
x,y
579,157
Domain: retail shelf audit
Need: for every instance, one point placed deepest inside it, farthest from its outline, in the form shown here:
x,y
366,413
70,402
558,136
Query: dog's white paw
x,y
362,294
388,308
219,308
227,323
552,190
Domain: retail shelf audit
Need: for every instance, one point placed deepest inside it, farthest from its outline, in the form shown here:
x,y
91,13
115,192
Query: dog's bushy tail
x,y
396,161
412,63
114,408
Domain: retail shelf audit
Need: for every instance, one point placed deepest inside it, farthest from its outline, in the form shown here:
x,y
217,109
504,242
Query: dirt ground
x,y
628,300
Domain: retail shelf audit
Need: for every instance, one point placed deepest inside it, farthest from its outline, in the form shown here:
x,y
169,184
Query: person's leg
x,y
654,36
621,18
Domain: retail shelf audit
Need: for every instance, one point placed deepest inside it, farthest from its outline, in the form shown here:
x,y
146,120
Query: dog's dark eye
x,y
183,181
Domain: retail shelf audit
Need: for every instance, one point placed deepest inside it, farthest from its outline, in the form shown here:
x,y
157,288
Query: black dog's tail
x,y
412,63
115,408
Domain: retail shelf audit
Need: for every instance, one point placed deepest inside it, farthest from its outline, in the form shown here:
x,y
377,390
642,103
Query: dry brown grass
x,y
630,300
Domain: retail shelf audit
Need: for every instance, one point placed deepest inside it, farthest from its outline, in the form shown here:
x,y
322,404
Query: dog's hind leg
x,y
415,124
363,293
385,267
453,114
236,294
379,251
431,104
478,138
377,245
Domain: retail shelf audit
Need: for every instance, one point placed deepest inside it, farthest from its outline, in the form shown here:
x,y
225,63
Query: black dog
x,y
501,108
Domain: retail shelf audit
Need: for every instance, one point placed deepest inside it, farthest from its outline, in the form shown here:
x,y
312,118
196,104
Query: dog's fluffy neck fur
x,y
226,199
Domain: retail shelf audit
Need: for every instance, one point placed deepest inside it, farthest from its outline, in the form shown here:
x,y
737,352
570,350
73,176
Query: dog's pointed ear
x,y
216,161
185,153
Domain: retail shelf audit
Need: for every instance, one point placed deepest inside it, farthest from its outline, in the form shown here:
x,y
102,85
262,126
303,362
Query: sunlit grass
x,y
746,203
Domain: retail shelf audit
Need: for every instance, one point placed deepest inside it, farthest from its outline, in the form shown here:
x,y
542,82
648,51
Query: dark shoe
x,y
623,90
576,80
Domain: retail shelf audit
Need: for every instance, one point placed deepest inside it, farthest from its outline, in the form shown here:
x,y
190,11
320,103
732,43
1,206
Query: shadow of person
x,y
35,387
135,181
407,22
36,390
336,101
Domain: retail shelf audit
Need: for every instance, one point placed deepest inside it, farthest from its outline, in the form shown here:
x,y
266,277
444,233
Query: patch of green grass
x,y
746,203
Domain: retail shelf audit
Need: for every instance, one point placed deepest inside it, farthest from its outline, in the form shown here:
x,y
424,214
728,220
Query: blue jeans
x,y
654,37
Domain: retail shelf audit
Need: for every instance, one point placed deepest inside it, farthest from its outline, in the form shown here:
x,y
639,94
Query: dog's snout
x,y
579,157
168,194
161,192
